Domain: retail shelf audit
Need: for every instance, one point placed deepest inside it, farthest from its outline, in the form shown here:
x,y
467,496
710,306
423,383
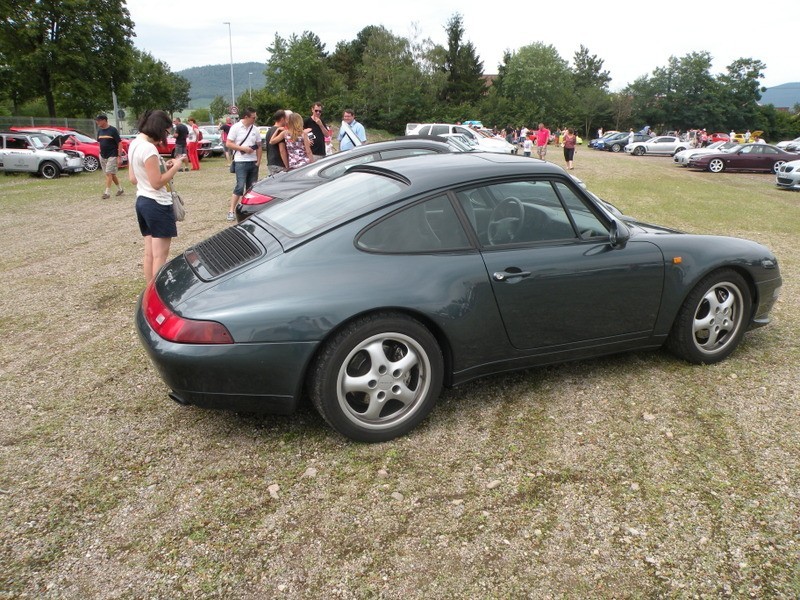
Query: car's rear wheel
x,y
715,165
678,149
616,148
638,151
778,164
91,163
49,170
712,319
377,378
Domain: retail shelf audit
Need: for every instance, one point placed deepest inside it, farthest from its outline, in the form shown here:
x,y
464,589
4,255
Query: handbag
x,y
178,207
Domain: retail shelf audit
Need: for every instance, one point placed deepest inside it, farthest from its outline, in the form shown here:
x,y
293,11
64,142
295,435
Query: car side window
x,y
439,129
768,150
588,223
16,143
429,226
341,168
516,212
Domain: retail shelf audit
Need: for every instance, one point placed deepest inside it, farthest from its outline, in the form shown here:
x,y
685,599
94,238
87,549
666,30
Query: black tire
x,y
378,377
639,151
49,170
616,148
712,319
91,163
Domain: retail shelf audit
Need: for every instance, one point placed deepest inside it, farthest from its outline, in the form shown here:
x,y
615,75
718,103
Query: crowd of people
x,y
527,140
290,143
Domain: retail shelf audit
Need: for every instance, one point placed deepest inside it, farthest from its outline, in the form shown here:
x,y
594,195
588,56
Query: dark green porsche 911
x,y
369,293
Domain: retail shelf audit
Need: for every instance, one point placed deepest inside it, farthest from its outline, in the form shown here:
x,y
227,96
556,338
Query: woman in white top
x,y
153,201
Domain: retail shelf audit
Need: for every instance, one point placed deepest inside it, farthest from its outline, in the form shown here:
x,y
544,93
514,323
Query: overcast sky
x,y
633,37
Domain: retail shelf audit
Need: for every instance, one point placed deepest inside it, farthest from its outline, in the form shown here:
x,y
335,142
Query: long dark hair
x,y
154,124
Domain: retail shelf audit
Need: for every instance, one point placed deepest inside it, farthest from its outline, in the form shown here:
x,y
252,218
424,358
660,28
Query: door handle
x,y
506,275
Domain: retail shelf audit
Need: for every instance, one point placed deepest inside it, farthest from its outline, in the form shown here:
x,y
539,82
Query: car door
x,y
559,285
662,145
20,155
749,157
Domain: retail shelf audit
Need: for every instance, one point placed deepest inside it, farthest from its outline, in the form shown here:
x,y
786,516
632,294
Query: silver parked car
x,y
788,175
682,158
33,153
660,144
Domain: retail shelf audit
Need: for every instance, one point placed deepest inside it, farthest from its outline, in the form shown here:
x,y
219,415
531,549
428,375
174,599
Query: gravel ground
x,y
634,476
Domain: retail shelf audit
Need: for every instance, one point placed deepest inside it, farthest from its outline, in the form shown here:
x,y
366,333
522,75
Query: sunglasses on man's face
x,y
317,111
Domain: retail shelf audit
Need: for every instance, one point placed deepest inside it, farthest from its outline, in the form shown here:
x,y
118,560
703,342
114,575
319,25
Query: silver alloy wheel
x,y
638,151
383,381
616,148
91,163
716,165
718,318
778,165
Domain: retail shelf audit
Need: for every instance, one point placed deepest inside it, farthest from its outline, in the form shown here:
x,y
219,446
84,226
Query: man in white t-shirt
x,y
244,139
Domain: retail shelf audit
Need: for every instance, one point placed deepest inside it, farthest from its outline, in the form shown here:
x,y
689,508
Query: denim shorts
x,y
156,220
246,176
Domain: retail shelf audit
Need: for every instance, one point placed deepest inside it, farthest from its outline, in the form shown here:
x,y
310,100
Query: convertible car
x,y
370,292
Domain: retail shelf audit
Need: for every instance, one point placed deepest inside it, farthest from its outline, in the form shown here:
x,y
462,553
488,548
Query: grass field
x,y
634,476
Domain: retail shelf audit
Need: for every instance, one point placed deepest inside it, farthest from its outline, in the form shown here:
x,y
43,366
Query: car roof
x,y
454,168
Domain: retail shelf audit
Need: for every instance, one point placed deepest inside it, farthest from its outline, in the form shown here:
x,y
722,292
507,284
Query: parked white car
x,y
788,175
782,145
486,144
660,144
32,153
682,158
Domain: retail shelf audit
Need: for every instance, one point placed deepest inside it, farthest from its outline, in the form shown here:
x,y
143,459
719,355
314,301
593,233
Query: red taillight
x,y
177,329
251,198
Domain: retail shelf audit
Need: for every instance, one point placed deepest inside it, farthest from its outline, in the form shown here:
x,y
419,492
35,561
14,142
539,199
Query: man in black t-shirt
x,y
319,130
181,134
276,153
108,137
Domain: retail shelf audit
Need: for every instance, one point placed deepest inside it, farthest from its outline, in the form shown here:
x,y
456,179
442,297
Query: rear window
x,y
345,197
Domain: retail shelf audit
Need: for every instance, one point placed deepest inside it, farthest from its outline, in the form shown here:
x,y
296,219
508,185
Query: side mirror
x,y
619,235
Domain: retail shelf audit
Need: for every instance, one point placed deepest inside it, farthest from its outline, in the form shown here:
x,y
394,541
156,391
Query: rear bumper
x,y
258,377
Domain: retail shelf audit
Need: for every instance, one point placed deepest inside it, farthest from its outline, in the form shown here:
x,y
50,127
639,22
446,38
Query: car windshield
x,y
39,141
350,195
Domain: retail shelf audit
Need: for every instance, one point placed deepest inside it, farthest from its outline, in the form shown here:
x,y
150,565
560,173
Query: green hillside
x,y
211,81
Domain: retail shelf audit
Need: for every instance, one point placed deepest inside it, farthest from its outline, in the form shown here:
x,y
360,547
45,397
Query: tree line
x,y
65,56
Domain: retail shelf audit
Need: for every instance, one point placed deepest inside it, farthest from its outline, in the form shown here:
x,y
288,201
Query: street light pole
x,y
230,43
250,85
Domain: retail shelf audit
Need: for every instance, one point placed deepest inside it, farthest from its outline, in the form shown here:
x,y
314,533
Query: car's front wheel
x,y
49,170
377,378
91,163
712,319
616,148
638,151
716,165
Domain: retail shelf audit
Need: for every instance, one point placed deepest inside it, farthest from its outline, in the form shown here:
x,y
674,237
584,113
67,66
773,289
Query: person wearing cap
x,y
110,143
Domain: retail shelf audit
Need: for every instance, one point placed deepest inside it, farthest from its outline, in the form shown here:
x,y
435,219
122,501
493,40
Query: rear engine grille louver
x,y
228,249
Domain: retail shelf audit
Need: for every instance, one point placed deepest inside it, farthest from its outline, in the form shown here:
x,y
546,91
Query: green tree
x,y
388,89
539,83
70,52
218,107
298,68
155,86
463,67
591,101
741,91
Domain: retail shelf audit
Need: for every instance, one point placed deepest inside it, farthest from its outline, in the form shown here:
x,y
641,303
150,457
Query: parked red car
x,y
78,141
203,148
